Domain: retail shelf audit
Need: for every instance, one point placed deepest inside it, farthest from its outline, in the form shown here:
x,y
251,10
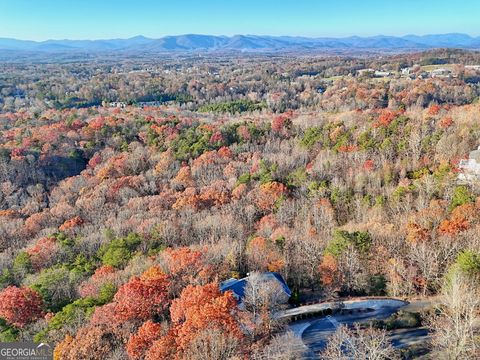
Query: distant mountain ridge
x,y
194,42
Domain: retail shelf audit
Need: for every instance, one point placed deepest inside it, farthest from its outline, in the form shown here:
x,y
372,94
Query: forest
x,y
131,190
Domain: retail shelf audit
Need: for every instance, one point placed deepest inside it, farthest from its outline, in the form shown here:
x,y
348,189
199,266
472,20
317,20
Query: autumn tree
x,y
143,297
142,340
264,255
91,342
20,306
185,266
198,309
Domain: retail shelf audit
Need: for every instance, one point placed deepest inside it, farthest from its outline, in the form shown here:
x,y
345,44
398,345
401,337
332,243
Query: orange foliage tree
x,y
140,342
459,220
264,255
198,308
329,272
91,342
269,194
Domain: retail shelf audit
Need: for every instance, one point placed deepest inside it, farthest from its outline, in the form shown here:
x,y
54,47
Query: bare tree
x,y
214,345
263,299
359,344
453,324
286,346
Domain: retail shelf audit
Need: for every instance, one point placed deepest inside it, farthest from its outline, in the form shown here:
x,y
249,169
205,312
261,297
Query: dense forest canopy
x,y
129,190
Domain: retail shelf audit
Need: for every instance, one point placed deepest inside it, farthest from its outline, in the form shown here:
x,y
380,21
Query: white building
x,y
470,168
382,73
473,67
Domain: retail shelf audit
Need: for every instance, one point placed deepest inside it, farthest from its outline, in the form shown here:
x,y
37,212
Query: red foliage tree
x,y
42,251
186,266
446,122
102,275
140,342
280,124
369,165
20,306
385,118
329,272
144,296
433,110
71,223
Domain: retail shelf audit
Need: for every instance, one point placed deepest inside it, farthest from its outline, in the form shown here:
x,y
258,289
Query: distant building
x,y
237,286
117,104
470,168
382,73
473,67
442,72
143,104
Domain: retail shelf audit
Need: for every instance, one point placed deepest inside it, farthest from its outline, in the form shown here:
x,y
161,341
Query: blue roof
x,y
237,286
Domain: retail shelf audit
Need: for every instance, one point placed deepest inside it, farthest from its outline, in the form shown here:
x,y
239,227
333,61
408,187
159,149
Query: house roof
x,y
237,286
475,154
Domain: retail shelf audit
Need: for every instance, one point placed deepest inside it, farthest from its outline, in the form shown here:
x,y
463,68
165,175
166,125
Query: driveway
x,y
315,332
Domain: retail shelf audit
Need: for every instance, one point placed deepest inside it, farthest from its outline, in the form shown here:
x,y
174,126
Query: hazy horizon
x,y
239,34
90,20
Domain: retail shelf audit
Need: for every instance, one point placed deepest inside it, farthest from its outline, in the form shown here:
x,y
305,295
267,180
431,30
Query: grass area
x,y
334,78
434,67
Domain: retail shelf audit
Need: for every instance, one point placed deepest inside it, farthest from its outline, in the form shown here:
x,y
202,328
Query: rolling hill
x,y
195,42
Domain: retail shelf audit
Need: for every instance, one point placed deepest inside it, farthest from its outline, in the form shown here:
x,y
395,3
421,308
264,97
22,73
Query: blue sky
x,y
96,19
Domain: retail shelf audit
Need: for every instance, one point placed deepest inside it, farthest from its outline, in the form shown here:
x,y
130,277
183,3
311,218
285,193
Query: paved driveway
x,y
315,332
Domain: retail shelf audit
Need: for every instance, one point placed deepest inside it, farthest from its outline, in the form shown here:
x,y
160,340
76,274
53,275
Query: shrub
x,y
461,195
7,333
311,137
402,320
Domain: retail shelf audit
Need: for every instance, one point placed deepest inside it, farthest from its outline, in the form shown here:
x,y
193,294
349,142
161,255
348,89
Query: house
x,y
237,286
470,168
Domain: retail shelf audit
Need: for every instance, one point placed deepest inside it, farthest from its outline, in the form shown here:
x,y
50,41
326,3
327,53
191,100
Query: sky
x,y
105,19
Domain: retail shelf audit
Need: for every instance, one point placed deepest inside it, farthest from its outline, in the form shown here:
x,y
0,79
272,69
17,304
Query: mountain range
x,y
193,42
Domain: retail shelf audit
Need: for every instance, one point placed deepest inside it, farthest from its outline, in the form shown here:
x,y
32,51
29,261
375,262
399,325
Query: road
x,y
315,335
